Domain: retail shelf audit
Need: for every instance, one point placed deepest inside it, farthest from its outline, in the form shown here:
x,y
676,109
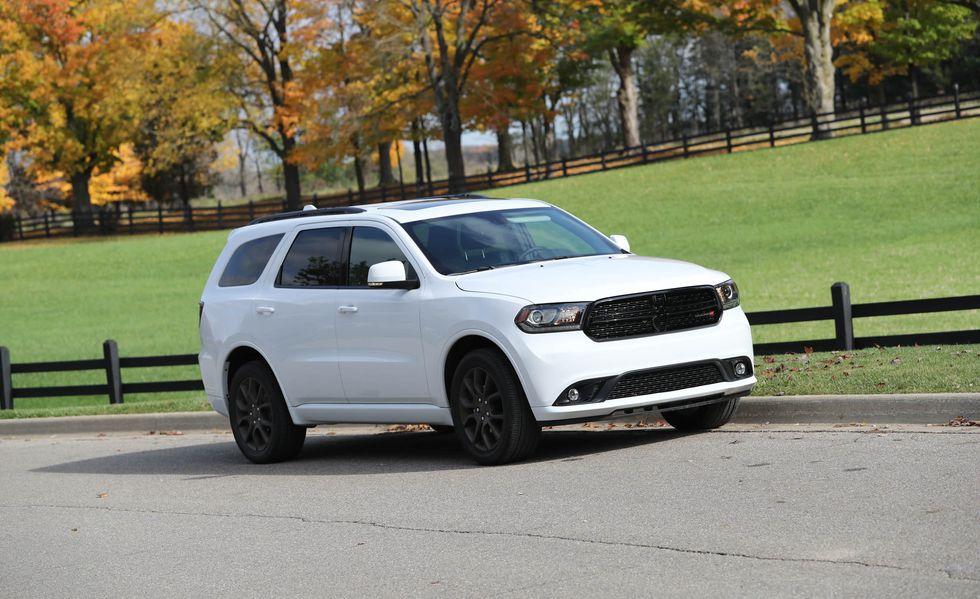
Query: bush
x,y
8,226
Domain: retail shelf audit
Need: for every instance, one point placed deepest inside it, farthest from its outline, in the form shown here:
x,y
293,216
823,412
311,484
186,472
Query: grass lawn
x,y
896,215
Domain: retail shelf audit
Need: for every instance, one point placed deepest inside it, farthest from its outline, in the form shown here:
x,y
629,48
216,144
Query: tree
x,y
259,33
450,36
66,94
615,30
186,110
892,37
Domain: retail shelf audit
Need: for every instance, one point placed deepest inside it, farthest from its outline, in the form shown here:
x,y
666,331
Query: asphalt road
x,y
738,512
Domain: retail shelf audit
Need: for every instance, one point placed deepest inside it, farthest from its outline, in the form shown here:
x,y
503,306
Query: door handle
x,y
266,310
347,309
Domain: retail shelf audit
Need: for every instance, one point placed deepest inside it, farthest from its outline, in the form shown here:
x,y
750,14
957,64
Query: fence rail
x,y
856,121
841,311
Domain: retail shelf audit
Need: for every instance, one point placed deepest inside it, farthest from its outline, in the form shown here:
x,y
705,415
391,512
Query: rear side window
x,y
248,261
368,247
316,259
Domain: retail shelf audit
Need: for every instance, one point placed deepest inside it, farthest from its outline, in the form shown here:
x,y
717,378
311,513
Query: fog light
x,y
739,368
573,394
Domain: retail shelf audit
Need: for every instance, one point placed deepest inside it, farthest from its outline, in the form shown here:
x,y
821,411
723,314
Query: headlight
x,y
547,318
728,294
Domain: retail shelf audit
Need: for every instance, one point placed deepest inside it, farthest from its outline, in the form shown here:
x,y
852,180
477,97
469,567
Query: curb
x,y
911,408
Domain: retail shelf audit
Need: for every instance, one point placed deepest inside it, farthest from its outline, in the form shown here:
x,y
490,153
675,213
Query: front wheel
x,y
263,429
490,413
702,417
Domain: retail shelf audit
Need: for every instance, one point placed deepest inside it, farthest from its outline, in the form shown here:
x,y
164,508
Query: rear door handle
x,y
265,310
347,309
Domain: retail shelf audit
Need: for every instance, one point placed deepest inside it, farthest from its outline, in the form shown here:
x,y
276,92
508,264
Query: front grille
x,y
653,313
666,379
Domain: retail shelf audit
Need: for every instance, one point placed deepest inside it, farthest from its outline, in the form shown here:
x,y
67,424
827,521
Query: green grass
x,y
896,215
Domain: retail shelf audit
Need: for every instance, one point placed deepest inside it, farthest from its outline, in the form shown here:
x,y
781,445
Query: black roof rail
x,y
304,213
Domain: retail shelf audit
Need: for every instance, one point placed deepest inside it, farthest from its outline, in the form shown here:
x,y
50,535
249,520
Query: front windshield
x,y
484,240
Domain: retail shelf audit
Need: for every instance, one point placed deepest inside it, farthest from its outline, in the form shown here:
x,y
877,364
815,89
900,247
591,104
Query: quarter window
x,y
368,247
315,259
248,261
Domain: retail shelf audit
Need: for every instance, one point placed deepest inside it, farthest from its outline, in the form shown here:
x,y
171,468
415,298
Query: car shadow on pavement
x,y
340,455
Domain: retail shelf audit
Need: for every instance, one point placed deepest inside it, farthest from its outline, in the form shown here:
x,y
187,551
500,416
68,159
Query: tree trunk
x,y
81,199
242,188
417,155
505,152
815,17
428,163
258,174
452,133
290,173
627,97
386,177
359,173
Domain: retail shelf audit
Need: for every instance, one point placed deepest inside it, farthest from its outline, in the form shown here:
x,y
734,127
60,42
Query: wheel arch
x,y
466,343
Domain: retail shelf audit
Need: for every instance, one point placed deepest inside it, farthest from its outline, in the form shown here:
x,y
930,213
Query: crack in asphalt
x,y
492,533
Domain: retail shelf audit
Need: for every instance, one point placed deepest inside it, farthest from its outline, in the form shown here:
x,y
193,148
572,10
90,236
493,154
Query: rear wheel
x,y
263,429
490,413
702,417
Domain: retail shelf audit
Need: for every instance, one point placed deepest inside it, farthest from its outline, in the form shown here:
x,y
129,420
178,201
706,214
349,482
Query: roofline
x,y
304,213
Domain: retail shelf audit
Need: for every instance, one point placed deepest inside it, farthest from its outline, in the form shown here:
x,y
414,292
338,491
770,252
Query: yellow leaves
x,y
121,182
6,202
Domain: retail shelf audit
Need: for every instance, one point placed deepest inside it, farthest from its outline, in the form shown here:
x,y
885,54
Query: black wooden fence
x,y
864,119
841,311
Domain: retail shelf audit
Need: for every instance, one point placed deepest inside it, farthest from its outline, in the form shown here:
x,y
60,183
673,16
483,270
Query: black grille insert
x,y
664,380
653,313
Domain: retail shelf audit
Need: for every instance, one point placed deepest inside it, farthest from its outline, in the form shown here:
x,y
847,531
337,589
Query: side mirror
x,y
621,241
390,275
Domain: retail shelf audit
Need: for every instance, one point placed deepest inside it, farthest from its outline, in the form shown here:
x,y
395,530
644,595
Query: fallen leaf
x,y
102,495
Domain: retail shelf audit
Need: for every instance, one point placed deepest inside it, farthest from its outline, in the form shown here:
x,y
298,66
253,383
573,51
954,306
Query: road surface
x,y
798,511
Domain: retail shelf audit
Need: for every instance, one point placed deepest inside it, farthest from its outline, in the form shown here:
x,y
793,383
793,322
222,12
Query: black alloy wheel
x,y
260,421
483,410
493,421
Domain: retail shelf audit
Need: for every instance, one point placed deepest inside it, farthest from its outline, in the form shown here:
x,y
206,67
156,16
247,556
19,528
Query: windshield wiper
x,y
478,269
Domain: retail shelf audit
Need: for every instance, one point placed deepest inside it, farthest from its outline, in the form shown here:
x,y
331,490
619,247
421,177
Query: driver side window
x,y
368,247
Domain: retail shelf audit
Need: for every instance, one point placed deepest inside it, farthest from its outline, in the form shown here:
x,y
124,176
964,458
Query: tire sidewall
x,y
512,400
282,423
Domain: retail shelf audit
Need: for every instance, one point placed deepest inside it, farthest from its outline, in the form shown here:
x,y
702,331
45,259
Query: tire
x,y
490,412
702,417
263,428
442,429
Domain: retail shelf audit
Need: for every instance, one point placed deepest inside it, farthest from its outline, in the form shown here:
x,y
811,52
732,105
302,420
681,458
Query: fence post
x,y
130,216
251,211
20,227
219,214
684,140
772,134
840,295
190,217
602,157
6,381
564,167
814,125
401,189
913,121
160,217
956,99
489,177
728,138
864,127
113,378
644,146
527,171
47,227
884,115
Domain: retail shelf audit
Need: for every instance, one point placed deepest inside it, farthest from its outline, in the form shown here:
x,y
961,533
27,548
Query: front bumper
x,y
552,362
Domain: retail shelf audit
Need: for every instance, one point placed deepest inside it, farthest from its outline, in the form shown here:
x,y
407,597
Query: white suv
x,y
485,316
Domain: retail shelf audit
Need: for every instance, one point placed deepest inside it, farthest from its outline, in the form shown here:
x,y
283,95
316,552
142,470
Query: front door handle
x,y
347,309
265,310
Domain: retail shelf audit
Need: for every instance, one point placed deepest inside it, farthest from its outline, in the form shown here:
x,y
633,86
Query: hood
x,y
588,279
